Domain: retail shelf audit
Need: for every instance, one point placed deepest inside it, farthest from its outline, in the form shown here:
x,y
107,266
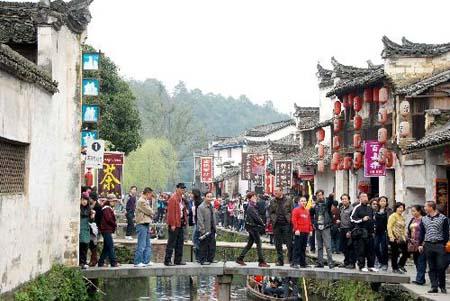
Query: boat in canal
x,y
255,291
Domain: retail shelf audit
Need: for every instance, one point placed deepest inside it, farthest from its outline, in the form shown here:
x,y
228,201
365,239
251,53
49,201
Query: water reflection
x,y
168,288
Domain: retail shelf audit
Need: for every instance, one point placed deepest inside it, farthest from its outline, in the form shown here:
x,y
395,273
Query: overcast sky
x,y
265,49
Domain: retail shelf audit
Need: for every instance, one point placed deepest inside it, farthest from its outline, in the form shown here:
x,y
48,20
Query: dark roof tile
x,y
438,137
266,129
374,77
424,84
411,49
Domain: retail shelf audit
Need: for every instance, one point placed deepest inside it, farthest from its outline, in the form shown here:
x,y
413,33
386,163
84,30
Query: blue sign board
x,y
91,87
86,135
90,113
91,61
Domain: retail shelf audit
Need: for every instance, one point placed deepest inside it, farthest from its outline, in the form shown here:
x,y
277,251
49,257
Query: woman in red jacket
x,y
107,227
302,227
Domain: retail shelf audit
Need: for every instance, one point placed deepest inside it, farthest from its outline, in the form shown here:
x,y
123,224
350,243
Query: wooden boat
x,y
254,292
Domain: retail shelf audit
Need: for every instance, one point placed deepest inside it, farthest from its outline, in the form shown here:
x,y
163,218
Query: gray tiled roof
x,y
424,84
324,76
346,72
19,21
18,66
411,49
266,129
440,136
230,142
305,156
374,77
229,173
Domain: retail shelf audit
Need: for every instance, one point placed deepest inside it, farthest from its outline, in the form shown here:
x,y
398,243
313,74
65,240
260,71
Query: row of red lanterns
x,y
377,95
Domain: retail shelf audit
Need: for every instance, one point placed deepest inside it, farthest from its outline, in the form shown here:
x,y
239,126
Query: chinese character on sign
x,y
372,168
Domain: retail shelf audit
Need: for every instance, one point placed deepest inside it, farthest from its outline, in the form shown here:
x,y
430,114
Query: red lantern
x,y
357,140
341,165
321,150
382,135
345,101
357,160
363,186
320,135
337,125
382,116
350,99
389,159
357,122
368,95
336,158
382,155
383,95
320,166
337,107
348,163
404,129
89,178
357,103
375,94
333,167
336,142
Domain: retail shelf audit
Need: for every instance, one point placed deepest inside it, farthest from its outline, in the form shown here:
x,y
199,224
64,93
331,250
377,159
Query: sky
x,y
265,49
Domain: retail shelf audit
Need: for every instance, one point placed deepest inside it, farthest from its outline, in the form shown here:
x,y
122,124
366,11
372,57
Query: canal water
x,y
168,288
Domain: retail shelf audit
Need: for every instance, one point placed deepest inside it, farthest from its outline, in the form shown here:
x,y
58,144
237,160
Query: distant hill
x,y
188,119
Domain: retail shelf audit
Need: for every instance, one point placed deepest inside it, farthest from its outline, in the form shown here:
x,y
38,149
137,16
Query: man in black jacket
x,y
322,221
280,215
362,234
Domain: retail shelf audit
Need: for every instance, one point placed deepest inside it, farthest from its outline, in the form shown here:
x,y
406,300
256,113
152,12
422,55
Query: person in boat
x,y
273,287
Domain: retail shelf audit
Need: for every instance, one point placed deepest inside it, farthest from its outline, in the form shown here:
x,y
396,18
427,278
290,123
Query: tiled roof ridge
x,y
437,137
325,76
376,76
423,84
18,66
346,71
411,49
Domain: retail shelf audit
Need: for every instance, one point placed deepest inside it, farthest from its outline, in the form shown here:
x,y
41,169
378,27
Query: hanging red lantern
x,y
368,95
357,122
382,155
320,135
333,167
357,140
341,165
348,162
336,142
357,160
320,166
383,95
389,159
336,158
321,150
382,135
350,99
345,101
357,103
382,115
375,94
337,125
404,129
337,107
89,178
363,186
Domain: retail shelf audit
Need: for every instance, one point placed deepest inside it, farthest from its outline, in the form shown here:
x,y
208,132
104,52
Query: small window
x,y
12,167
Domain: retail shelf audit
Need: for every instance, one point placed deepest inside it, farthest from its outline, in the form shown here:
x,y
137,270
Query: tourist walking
x,y
381,236
434,236
95,228
144,215
108,226
322,220
396,228
230,213
206,225
302,227
345,227
86,215
240,216
280,215
362,234
130,209
197,199
414,233
254,226
176,221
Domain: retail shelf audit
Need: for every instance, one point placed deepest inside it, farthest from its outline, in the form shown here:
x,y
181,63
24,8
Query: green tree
x,y
119,122
154,164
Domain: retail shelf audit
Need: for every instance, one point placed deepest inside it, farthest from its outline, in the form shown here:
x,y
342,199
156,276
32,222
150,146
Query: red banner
x,y
110,177
206,169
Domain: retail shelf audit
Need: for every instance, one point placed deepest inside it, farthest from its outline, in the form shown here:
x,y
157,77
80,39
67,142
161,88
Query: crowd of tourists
x,y
367,232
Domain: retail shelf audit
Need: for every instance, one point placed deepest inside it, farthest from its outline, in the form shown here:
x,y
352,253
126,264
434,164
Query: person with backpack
x,y
322,221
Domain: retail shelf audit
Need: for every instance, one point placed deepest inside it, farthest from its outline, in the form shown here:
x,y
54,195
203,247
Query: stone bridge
x,y
224,272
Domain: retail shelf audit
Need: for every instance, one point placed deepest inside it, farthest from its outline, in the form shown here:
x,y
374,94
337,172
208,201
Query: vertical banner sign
x,y
110,177
94,154
283,173
246,167
372,168
258,164
206,169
